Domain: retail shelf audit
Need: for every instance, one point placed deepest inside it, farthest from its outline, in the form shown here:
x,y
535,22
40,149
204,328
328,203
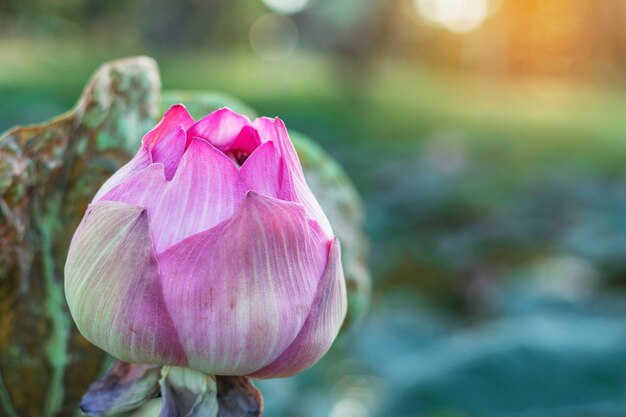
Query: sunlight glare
x,y
460,16
286,6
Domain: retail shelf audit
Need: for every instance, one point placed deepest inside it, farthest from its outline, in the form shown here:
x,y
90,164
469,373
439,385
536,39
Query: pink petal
x,y
275,130
294,187
321,326
247,140
240,292
220,128
175,117
169,150
262,171
113,289
244,145
204,191
140,161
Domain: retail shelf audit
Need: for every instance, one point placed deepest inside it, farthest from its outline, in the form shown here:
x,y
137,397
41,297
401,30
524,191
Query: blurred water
x,y
542,356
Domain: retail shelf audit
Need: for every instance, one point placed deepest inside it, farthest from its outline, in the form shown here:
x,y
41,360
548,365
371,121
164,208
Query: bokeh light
x,y
286,6
460,16
486,138
273,37
349,407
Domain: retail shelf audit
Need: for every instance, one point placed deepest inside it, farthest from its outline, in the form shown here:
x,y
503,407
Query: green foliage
x,y
470,188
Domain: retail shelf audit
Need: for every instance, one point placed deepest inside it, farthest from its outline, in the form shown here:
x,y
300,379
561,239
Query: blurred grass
x,y
374,117
379,118
530,122
539,174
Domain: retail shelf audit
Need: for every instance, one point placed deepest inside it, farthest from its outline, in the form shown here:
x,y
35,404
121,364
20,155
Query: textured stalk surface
x,y
48,174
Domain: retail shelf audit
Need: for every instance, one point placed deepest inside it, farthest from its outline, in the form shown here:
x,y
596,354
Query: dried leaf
x,y
124,387
238,397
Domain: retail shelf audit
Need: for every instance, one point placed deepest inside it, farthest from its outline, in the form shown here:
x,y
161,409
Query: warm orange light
x,y
459,16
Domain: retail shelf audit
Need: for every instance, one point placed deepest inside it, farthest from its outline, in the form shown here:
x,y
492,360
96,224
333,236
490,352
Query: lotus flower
x,y
208,251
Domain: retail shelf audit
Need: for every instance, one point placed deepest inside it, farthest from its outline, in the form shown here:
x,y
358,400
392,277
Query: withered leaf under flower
x,y
124,387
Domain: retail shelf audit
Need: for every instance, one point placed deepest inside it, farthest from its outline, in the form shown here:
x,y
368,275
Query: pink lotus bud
x,y
209,251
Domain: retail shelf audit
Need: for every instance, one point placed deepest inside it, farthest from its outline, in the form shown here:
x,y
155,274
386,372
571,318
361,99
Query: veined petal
x,y
113,289
275,130
204,191
140,161
240,292
175,117
294,186
169,150
262,171
321,326
220,128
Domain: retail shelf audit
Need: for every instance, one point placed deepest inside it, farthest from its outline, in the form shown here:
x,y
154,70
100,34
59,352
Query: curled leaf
x,y
124,387
238,397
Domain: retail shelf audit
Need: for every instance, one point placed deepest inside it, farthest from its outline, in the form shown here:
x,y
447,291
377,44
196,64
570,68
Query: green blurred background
x,y
488,140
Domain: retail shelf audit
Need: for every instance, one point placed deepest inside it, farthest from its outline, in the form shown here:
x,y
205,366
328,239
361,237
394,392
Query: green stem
x,y
5,400
56,348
